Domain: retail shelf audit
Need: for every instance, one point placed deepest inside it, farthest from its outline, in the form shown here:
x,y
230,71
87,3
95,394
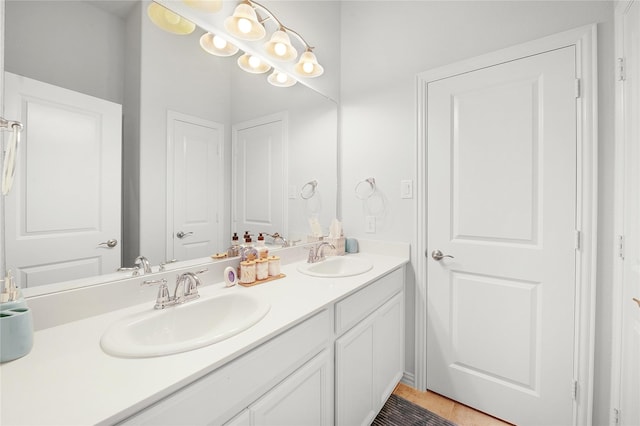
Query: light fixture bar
x,y
307,46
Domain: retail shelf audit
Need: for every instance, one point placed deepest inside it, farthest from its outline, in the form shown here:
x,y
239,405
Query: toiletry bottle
x,y
248,249
234,250
263,251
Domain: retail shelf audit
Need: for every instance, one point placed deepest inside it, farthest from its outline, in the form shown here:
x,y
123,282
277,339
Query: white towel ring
x,y
365,188
308,189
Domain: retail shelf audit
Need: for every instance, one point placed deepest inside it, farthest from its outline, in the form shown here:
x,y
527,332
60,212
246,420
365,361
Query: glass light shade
x,y
279,47
169,20
308,65
217,45
253,64
244,23
281,79
210,6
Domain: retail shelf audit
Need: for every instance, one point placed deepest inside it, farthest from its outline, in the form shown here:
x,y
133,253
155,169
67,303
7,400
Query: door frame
x,y
220,170
622,193
585,41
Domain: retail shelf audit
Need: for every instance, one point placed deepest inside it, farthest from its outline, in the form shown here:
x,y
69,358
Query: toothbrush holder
x,y
16,330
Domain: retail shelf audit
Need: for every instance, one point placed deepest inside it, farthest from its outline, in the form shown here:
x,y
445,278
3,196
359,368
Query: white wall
x,y
384,45
69,44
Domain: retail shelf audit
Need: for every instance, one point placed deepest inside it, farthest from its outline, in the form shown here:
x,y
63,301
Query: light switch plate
x,y
370,224
406,189
293,192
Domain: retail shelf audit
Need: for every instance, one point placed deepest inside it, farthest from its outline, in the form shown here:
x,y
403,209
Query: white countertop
x,y
67,379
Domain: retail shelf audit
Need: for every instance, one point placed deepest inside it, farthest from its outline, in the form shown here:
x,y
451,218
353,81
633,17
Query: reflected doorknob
x,y
635,299
109,243
182,234
437,255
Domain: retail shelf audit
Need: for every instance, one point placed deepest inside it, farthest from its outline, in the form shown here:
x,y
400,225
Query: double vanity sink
x,y
141,356
206,321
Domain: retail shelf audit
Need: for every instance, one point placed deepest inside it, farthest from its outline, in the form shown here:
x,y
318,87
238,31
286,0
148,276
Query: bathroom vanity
x,y
329,351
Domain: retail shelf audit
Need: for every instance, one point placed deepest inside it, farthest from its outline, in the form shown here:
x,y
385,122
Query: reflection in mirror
x,y
90,72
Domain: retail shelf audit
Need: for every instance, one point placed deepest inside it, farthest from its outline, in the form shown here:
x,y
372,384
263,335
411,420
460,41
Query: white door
x,y
259,176
195,156
629,381
502,201
65,203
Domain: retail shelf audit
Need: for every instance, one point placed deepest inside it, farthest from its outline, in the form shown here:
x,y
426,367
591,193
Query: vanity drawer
x,y
356,307
220,395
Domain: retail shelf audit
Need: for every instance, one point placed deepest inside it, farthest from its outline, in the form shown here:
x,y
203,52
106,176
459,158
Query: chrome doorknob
x,y
182,235
109,243
437,255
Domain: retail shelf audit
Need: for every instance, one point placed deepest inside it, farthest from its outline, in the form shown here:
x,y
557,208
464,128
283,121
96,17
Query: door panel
x,y
196,188
502,202
55,224
259,176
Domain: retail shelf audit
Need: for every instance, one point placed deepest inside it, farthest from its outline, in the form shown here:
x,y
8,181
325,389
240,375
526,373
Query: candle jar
x,y
274,266
262,269
247,272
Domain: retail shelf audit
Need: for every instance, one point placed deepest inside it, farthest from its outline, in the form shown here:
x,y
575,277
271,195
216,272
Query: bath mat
x,y
400,412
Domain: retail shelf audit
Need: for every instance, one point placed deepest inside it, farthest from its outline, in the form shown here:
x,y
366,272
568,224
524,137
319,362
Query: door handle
x,y
109,243
437,255
635,299
182,234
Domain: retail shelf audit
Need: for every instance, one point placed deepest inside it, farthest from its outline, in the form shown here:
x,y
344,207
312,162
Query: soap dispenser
x,y
234,250
263,251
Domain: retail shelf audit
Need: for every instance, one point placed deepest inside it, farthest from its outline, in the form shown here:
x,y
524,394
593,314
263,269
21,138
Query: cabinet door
x,y
389,348
304,398
354,375
369,363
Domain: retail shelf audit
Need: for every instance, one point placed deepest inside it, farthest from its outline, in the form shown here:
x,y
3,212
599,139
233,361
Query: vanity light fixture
x,y
280,47
253,64
217,45
281,79
308,65
244,23
169,20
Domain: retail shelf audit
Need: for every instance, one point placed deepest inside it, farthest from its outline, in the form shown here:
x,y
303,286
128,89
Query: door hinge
x,y
620,246
574,390
578,88
578,240
621,70
616,416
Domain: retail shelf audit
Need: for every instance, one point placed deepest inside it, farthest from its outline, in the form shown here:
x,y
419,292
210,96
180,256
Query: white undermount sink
x,y
184,327
337,266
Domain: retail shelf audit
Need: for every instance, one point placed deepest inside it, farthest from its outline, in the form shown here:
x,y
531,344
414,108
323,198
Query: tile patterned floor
x,y
449,409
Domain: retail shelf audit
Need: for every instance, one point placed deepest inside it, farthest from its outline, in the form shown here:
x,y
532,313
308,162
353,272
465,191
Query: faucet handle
x,y
163,297
165,263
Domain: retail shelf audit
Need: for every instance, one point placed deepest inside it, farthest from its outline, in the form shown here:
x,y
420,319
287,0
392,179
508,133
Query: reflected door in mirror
x,y
195,150
66,197
259,175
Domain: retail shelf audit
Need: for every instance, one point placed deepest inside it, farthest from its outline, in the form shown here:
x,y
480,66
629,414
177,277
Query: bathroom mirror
x,y
110,50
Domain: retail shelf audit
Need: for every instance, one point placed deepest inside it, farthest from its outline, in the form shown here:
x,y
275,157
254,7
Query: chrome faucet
x,y
316,253
186,289
277,237
142,262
